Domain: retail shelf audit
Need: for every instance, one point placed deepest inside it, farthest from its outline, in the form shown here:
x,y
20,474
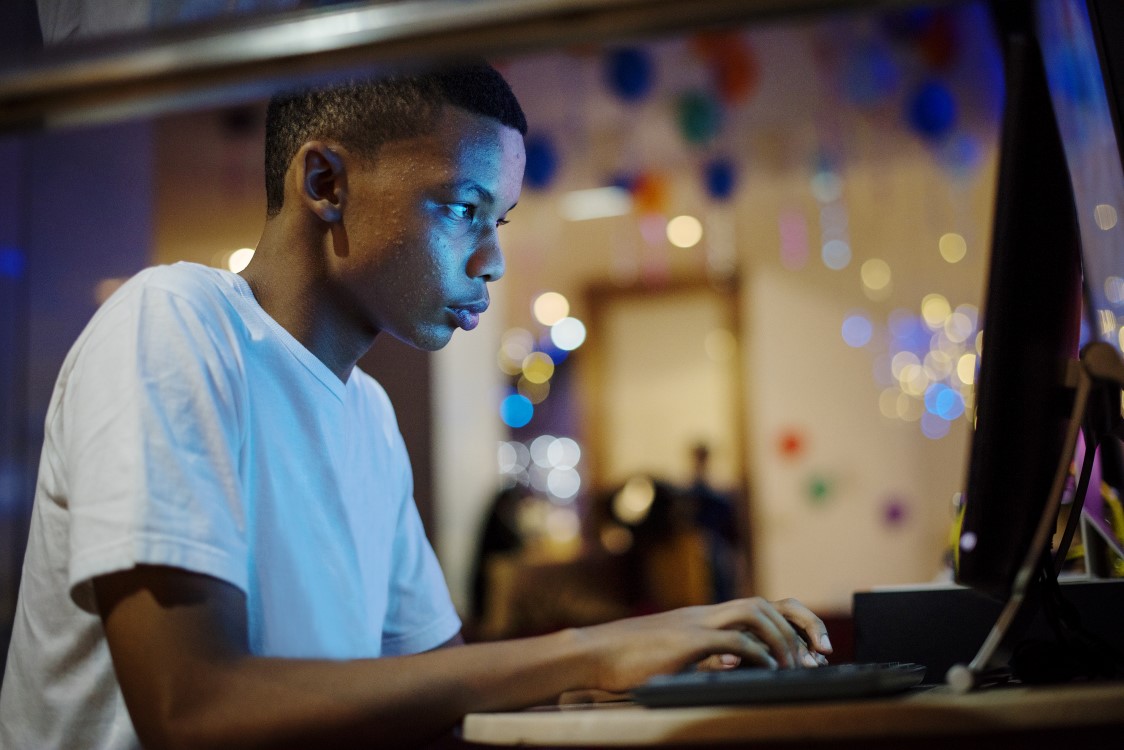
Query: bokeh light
x,y
239,259
684,231
564,453
515,345
958,327
540,450
1114,289
562,525
938,364
914,380
563,482
516,410
943,401
1105,216
857,330
968,541
826,186
550,307
506,457
953,247
633,501
616,539
568,334
538,367
909,409
536,393
875,274
888,402
901,360
935,310
966,369
836,254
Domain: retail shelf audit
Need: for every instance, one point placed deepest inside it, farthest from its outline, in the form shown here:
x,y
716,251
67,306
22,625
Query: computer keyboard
x,y
739,686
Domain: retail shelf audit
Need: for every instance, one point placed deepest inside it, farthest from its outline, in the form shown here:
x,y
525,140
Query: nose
x,y
487,261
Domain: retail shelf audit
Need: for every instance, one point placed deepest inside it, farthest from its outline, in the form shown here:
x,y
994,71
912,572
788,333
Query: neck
x,y
288,279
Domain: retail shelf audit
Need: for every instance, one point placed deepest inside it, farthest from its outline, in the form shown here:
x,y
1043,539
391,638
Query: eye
x,y
462,210
502,222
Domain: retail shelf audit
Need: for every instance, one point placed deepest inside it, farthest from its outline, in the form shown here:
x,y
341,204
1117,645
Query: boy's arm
x,y
180,651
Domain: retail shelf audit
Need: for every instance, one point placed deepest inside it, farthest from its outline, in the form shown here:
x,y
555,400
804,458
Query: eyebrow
x,y
476,188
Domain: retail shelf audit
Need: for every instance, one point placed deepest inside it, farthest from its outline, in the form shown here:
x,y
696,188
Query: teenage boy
x,y
224,549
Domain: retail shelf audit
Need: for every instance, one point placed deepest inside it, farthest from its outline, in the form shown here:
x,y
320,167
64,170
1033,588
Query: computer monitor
x,y
1027,388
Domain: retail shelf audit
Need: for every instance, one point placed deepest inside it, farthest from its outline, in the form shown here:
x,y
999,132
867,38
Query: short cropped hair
x,y
363,114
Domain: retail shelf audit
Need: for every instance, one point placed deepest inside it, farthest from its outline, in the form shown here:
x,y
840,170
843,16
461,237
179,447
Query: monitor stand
x,y
1096,381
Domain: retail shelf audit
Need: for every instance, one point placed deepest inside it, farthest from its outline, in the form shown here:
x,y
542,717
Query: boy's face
x,y
421,220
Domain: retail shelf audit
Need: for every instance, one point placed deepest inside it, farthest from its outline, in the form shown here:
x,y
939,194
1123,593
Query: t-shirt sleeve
x,y
151,440
420,615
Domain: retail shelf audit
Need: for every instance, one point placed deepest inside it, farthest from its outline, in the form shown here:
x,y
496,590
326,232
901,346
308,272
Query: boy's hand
x,y
781,634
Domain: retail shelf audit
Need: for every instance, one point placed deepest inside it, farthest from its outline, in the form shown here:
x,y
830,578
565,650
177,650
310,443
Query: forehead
x,y
459,146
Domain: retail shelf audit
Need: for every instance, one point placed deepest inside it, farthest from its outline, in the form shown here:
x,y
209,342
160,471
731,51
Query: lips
x,y
468,316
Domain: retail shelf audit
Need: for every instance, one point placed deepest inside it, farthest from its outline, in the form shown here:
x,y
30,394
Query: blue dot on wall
x,y
870,75
629,73
931,111
542,162
623,181
516,410
720,178
12,263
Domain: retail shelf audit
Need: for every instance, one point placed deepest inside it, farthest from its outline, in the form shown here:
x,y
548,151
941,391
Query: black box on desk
x,y
940,625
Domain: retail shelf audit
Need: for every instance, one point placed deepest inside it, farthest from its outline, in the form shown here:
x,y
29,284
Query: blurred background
x,y
735,348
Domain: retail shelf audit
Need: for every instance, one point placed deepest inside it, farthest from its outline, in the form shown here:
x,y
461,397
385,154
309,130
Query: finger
x,y
811,658
718,663
750,648
762,619
812,627
789,639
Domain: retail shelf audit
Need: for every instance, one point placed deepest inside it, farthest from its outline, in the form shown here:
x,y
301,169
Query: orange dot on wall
x,y
791,443
736,74
649,193
732,64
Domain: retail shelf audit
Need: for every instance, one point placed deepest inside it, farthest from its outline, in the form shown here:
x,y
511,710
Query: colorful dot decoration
x,y
791,444
895,512
820,489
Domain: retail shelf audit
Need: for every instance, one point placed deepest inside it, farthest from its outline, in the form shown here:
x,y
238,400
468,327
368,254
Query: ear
x,y
322,180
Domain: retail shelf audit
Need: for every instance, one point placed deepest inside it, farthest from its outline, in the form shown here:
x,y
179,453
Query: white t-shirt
x,y
187,428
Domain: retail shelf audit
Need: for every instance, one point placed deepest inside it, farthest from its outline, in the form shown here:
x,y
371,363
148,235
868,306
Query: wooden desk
x,y
1085,716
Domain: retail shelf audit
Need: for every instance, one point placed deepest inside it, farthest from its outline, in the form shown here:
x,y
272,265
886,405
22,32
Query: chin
x,y
427,340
